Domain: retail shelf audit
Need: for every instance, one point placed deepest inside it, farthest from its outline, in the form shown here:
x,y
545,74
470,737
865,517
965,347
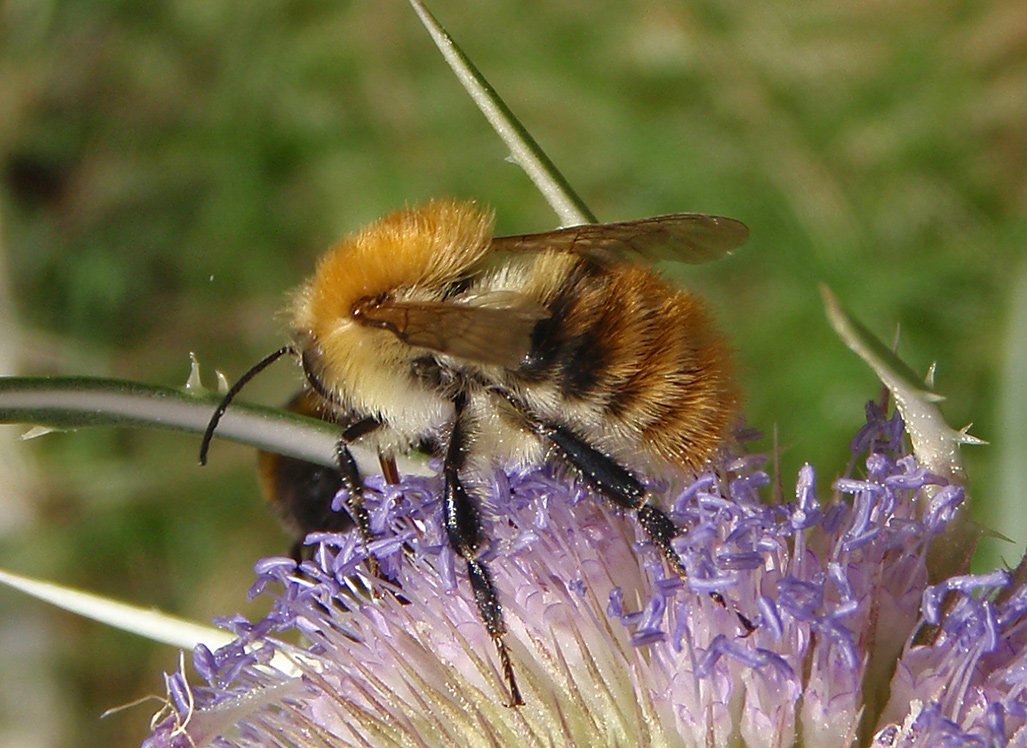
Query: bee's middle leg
x,y
466,536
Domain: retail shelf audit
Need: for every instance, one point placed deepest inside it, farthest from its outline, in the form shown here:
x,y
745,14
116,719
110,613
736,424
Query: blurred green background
x,y
168,171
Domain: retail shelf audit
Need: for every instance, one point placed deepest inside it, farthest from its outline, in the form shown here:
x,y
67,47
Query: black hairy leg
x,y
354,485
608,477
303,494
465,535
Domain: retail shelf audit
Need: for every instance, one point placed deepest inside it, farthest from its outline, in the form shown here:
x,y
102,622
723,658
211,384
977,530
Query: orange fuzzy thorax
x,y
421,247
411,251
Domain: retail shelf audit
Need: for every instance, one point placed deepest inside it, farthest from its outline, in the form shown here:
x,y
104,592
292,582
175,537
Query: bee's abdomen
x,y
637,364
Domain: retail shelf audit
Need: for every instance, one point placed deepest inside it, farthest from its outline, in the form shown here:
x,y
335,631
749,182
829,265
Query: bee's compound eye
x,y
311,357
312,362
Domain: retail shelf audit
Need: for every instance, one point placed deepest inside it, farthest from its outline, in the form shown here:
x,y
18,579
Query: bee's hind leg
x,y
619,485
466,537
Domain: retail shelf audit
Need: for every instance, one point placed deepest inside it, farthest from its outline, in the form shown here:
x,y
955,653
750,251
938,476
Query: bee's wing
x,y
490,328
685,237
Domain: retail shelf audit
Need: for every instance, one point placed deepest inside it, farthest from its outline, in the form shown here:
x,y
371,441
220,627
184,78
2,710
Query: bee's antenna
x,y
233,391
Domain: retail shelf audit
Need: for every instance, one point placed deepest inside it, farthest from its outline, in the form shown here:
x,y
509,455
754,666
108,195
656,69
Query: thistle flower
x,y
851,645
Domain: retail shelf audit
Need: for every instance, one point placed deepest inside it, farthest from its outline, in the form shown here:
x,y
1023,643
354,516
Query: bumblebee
x,y
423,327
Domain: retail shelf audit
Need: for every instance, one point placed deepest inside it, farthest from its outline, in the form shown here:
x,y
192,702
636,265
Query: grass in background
x,y
169,172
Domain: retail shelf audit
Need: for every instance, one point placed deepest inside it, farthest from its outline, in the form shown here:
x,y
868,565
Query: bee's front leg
x,y
466,537
354,484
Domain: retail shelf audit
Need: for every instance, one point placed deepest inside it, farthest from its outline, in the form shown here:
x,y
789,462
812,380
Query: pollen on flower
x,y
850,644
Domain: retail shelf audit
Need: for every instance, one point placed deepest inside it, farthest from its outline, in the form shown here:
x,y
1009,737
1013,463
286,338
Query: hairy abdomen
x,y
630,362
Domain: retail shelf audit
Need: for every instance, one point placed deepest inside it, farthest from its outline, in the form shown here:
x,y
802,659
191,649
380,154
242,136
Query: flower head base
x,y
851,645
